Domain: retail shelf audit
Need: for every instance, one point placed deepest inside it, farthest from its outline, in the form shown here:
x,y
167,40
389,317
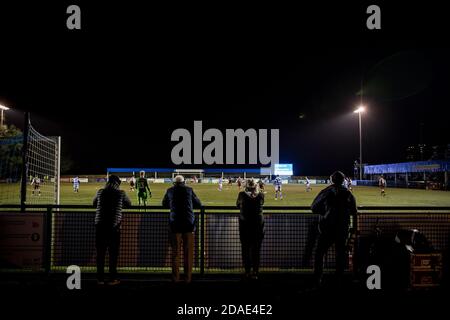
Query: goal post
x,y
151,174
206,175
58,171
41,165
189,173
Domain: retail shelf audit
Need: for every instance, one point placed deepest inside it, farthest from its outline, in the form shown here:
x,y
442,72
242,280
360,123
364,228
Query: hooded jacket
x,y
334,205
251,207
109,203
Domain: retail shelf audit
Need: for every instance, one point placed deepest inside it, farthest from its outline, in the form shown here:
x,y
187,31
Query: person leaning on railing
x,y
181,200
334,205
109,202
251,227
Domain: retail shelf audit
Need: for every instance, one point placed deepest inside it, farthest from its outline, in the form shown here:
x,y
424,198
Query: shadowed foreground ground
x,y
291,297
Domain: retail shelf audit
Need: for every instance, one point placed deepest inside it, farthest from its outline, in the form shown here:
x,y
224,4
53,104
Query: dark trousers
x,y
325,241
107,239
251,239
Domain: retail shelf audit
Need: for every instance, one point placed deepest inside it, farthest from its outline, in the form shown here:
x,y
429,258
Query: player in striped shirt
x,y
277,184
76,184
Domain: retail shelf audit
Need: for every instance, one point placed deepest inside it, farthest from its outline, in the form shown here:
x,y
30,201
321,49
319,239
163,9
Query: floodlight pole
x,y
360,148
359,111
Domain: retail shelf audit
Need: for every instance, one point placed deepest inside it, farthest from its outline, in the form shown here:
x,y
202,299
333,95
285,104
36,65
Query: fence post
x,y
355,254
202,241
48,240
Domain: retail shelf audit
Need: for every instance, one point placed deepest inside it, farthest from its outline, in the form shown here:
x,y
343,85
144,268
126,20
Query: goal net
x,y
190,175
42,168
35,181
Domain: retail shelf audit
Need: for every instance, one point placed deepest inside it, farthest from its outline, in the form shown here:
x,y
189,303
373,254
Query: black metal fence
x,y
68,237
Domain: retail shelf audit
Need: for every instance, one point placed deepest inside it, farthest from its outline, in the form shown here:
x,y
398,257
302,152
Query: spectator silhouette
x,y
109,202
334,205
251,227
181,200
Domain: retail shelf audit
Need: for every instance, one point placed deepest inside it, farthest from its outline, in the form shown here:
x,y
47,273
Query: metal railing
x,y
68,236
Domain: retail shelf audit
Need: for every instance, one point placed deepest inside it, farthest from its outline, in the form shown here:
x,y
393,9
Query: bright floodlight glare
x,y
360,109
3,107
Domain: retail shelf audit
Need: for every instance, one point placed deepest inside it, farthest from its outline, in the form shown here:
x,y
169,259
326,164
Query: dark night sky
x,y
116,90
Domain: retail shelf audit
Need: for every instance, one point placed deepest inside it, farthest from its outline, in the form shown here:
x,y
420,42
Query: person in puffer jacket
x,y
181,200
251,227
109,202
334,205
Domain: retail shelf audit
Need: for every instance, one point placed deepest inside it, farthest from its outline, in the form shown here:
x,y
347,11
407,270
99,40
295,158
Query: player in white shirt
x,y
220,184
349,184
36,183
308,185
132,183
277,184
382,185
76,184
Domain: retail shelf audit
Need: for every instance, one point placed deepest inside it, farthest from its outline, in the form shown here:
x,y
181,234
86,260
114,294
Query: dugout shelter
x,y
433,174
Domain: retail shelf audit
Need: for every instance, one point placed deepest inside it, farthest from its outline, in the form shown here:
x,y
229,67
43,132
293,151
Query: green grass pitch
x,y
293,195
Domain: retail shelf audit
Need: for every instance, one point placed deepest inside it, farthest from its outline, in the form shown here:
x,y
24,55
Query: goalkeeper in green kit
x,y
142,188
